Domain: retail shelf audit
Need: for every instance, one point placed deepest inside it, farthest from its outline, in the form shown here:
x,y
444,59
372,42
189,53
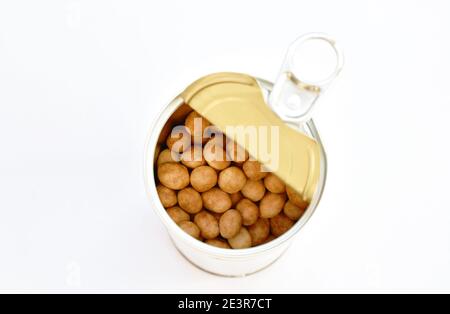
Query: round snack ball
x,y
167,196
253,170
254,190
292,211
197,125
178,215
208,225
167,156
296,198
259,231
193,157
216,200
280,224
242,240
215,155
203,178
190,200
236,198
274,184
230,224
179,140
236,152
218,243
249,212
232,180
271,205
190,228
173,175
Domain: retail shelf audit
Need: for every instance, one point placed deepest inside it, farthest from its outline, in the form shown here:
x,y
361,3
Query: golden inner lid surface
x,y
231,101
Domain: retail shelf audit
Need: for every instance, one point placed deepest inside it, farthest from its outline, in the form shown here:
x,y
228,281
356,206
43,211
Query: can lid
x,y
235,104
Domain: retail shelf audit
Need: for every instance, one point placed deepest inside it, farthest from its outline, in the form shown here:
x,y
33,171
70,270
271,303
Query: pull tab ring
x,y
293,95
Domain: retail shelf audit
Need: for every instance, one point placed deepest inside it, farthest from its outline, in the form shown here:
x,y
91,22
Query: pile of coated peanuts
x,y
216,194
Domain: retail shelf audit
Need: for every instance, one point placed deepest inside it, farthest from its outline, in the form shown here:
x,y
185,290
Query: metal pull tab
x,y
302,80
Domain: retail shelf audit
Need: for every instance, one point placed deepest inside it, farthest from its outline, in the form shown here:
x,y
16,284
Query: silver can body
x,y
230,263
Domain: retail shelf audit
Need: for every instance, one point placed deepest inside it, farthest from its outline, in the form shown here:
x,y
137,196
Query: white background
x,y
81,82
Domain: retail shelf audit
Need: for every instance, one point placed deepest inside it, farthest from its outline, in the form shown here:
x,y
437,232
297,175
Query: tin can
x,y
230,263
292,97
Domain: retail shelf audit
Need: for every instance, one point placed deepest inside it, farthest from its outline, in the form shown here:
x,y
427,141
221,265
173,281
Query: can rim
x,y
173,228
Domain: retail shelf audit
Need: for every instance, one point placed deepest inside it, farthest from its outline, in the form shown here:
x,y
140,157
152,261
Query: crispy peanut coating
x,y
167,196
218,243
197,125
208,225
203,178
254,190
242,240
296,198
292,211
190,200
232,180
215,155
173,175
271,205
249,211
178,215
167,156
193,157
190,228
179,140
280,224
230,224
259,231
274,184
254,170
216,200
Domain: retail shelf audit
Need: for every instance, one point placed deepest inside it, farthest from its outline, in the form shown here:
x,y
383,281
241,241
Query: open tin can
x,y
234,263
